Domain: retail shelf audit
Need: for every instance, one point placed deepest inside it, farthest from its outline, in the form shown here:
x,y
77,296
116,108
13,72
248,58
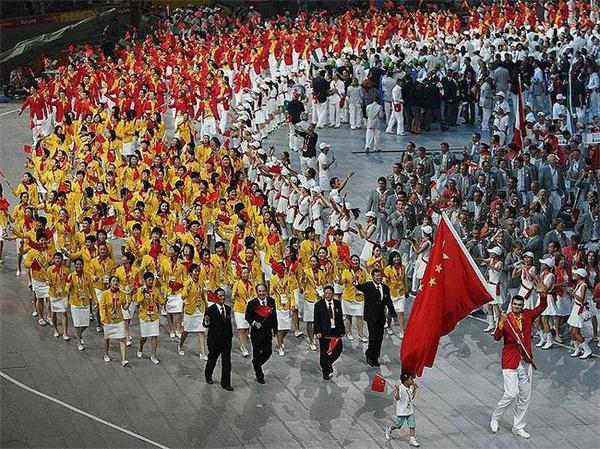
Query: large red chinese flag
x,y
451,288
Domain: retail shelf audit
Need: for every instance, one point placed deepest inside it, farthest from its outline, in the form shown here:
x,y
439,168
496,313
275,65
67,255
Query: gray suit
x,y
547,183
501,78
585,227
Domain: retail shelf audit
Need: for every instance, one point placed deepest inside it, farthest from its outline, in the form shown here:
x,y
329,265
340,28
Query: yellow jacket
x,y
350,293
58,281
111,306
149,302
193,297
396,280
313,282
81,289
282,290
241,293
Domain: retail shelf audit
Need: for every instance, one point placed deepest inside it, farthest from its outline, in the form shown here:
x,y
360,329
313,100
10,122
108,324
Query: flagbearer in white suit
x,y
374,111
397,113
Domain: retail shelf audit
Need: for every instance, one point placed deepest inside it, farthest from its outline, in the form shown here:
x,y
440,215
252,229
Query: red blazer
x,y
511,352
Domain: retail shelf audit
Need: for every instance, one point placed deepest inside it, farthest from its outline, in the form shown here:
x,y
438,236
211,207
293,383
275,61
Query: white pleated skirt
x,y
284,320
308,313
80,315
193,322
149,328
353,308
114,331
59,305
41,289
240,320
399,304
174,304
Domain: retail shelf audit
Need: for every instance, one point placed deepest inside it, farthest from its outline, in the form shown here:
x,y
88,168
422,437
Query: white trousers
x,y
396,118
517,389
320,114
387,106
556,201
485,119
372,139
355,115
335,114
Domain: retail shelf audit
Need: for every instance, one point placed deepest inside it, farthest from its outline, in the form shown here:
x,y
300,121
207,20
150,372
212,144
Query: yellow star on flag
x,y
432,281
438,268
420,287
445,256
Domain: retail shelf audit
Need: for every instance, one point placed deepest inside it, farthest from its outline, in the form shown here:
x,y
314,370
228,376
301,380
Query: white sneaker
x,y
490,327
312,347
172,334
521,433
34,313
140,354
180,351
350,337
66,337
80,347
98,329
494,425
281,352
388,431
413,442
18,273
127,342
577,351
244,351
56,334
298,333
390,331
124,363
106,358
542,341
42,322
363,339
385,325
178,334
154,360
203,357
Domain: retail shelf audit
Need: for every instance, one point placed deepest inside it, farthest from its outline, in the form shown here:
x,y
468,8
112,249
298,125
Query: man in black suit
x,y
377,298
217,320
329,324
264,328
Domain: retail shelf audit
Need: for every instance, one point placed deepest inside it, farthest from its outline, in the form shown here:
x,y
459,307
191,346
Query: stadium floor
x,y
170,405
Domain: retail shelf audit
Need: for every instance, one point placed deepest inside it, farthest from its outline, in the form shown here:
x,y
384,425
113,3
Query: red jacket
x,y
511,352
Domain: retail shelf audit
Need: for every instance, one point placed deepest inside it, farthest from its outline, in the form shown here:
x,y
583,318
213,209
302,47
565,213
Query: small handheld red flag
x,y
378,383
333,343
263,311
35,265
175,286
27,149
179,228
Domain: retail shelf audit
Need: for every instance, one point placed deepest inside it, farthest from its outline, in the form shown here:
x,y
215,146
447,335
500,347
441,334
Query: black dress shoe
x,y
260,380
375,363
228,388
209,381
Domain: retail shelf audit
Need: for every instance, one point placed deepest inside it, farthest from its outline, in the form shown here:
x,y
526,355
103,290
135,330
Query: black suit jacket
x,y
374,304
220,332
268,325
322,321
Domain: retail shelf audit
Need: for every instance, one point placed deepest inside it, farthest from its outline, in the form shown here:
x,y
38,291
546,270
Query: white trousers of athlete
x,y
320,113
396,117
372,138
335,112
517,389
355,115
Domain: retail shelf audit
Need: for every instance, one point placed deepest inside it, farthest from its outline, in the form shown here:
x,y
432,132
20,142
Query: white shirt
x,y
330,307
404,404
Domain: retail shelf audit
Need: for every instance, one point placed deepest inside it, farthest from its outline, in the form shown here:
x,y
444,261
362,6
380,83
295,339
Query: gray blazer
x,y
546,181
586,225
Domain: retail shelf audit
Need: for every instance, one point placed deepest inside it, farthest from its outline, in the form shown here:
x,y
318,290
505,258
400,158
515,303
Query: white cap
x,y
541,114
495,250
316,189
500,94
323,145
255,144
549,261
580,272
305,186
371,214
528,254
427,229
560,97
530,117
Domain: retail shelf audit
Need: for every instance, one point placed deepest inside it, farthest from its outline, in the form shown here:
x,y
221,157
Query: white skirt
x,y
419,269
529,302
193,322
338,288
130,311
240,320
575,318
80,315
128,148
318,226
174,304
59,305
551,309
308,313
41,289
149,328
399,304
563,306
114,331
353,308
284,320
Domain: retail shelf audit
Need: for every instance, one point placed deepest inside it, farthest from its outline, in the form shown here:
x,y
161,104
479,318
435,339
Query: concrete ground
x,y
171,405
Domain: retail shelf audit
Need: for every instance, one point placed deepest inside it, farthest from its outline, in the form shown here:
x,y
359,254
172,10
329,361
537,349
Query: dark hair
x,y
328,287
148,275
405,376
518,298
